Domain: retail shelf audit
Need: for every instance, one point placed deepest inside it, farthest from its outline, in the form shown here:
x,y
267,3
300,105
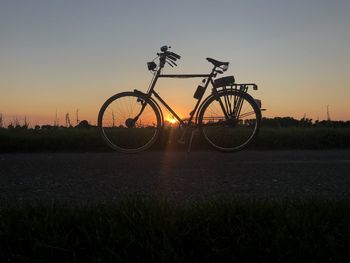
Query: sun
x,y
171,119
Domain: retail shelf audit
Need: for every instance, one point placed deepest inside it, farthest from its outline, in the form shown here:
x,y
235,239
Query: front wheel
x,y
229,120
129,122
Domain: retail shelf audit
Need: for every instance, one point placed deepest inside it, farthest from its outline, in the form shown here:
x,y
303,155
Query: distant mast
x,y
68,124
55,123
77,115
328,115
113,119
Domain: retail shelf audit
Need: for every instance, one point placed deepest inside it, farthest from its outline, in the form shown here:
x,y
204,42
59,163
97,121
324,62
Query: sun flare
x,y
171,119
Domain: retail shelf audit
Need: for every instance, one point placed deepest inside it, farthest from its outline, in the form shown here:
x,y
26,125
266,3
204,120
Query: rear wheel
x,y
230,120
129,123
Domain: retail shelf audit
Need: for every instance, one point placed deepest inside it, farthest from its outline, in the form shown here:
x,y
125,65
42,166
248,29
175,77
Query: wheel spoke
x,y
232,132
129,134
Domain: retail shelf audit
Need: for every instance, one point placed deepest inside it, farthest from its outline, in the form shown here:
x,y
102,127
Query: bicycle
x,y
228,118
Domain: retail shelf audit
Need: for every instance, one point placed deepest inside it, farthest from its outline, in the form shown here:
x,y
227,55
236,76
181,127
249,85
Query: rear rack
x,y
239,87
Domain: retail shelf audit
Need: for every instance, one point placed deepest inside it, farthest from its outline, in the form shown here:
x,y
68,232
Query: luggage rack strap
x,y
239,86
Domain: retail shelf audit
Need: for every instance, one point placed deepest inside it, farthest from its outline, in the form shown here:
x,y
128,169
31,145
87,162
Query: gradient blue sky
x,y
63,55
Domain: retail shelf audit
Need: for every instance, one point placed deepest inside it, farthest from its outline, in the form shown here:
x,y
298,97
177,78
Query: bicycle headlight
x,y
151,65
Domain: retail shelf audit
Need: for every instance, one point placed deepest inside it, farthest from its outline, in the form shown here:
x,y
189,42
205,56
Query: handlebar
x,y
167,53
167,57
170,55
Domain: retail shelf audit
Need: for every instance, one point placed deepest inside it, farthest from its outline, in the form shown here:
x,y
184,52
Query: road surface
x,y
176,176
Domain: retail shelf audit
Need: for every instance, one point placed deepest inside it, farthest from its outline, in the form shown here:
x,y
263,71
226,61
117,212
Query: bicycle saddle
x,y
217,63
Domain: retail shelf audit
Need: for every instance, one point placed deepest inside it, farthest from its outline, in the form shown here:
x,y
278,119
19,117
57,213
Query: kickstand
x,y
190,142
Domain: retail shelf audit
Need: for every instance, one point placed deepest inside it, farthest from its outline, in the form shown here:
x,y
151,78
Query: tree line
x,y
276,122
285,122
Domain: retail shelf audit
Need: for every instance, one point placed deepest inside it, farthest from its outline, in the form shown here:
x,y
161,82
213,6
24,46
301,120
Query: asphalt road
x,y
175,176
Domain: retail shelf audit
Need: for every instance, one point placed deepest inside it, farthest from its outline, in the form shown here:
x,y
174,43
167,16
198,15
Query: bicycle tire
x,y
232,133
119,128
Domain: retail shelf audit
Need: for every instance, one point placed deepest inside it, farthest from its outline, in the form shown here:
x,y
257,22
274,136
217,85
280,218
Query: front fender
x,y
155,103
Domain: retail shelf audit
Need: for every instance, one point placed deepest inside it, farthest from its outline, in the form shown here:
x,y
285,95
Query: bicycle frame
x,y
151,91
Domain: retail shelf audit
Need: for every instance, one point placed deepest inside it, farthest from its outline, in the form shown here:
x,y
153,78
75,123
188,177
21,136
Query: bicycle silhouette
x,y
228,118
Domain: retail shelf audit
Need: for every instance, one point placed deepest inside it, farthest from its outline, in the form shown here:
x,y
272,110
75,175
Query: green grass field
x,y
143,230
80,140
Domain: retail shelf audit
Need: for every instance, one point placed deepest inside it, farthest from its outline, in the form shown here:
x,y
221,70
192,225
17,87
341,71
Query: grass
x,y
144,230
51,140
303,138
80,140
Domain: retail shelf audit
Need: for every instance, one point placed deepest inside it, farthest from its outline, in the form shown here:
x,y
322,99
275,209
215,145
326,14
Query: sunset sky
x,y
63,55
